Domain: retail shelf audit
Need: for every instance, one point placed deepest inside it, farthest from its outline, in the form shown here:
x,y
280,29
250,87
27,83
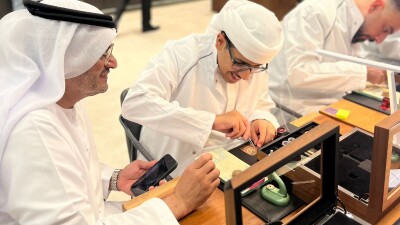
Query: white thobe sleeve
x,y
265,115
153,211
147,103
265,103
106,173
304,34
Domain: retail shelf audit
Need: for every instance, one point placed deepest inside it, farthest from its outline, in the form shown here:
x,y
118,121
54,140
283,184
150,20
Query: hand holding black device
x,y
154,175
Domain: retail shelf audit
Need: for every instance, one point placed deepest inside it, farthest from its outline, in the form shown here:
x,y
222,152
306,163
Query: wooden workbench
x,y
213,211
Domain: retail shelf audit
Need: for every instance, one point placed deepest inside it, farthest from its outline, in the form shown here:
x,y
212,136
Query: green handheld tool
x,y
277,196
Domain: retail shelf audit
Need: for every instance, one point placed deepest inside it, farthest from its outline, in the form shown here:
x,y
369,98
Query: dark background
x,y
5,7
107,6
279,7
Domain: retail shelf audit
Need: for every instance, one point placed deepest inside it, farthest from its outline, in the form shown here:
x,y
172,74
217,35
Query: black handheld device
x,y
155,174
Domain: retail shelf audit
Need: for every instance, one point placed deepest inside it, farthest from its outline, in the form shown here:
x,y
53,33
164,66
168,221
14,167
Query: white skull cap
x,y
253,29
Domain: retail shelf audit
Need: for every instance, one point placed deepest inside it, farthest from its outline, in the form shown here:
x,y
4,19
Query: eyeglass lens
x,y
108,53
241,67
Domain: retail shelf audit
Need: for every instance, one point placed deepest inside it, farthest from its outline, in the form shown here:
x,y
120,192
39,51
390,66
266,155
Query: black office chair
x,y
132,132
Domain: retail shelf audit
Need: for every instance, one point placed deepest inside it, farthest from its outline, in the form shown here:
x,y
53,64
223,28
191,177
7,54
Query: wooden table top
x,y
360,116
213,209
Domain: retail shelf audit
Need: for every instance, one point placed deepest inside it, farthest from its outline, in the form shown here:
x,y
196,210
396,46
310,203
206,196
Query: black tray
x,y
268,211
292,132
366,101
354,165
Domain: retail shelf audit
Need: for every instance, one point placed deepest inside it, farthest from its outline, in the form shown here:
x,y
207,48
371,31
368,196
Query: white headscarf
x,y
253,29
37,55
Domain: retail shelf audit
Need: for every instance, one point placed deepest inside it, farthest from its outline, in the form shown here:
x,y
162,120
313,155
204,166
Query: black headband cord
x,y
70,15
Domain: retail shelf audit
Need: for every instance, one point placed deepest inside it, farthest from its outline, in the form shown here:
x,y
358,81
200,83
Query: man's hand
x,y
197,183
262,131
376,76
233,124
131,173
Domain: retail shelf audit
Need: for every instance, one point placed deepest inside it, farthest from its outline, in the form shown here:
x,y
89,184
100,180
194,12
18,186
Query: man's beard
x,y
361,37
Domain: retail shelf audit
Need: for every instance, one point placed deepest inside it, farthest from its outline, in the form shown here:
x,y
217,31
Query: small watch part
x,y
236,172
281,131
252,143
385,105
250,150
114,179
270,186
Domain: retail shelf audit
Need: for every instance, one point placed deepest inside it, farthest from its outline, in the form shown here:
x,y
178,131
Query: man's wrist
x,y
114,180
177,207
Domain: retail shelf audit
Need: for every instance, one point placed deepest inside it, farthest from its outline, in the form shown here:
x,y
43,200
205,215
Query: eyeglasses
x,y
107,54
239,66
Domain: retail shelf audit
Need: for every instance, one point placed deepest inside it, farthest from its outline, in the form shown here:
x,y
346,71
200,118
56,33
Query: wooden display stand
x,y
319,195
381,200
279,7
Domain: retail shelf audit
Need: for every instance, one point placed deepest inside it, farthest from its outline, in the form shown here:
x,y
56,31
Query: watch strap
x,y
114,179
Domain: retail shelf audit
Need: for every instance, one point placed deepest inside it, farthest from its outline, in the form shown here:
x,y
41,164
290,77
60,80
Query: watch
x,y
114,179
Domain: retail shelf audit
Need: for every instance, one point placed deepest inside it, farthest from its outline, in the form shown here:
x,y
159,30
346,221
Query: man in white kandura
x,y
209,89
49,169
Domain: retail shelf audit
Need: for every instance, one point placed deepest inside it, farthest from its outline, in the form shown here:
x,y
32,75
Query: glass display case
x,y
316,170
290,192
